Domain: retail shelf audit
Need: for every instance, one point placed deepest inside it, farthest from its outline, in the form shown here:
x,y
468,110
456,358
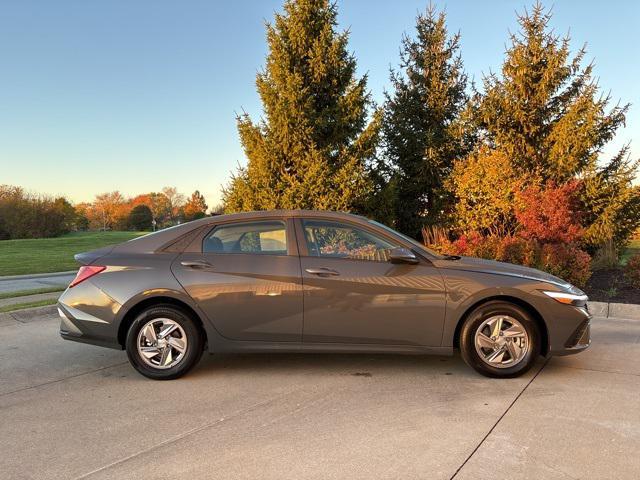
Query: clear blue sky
x,y
135,95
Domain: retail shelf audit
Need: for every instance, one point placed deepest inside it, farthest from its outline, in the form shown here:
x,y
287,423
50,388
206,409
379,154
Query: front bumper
x,y
579,338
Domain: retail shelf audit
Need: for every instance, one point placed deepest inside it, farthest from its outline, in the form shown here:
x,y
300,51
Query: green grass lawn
x,y
26,293
632,249
43,255
22,306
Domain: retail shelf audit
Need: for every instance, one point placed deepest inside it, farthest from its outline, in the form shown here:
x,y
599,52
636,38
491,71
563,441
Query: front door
x,y
354,294
247,280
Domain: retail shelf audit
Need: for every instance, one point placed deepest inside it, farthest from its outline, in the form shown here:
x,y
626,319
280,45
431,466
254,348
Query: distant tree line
x,y
155,210
112,211
24,215
482,171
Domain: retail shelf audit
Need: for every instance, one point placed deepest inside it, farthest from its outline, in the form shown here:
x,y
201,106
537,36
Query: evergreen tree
x,y
140,218
196,207
312,147
422,130
611,204
546,113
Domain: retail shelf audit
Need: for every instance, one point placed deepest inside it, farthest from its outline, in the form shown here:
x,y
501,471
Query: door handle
x,y
322,271
195,264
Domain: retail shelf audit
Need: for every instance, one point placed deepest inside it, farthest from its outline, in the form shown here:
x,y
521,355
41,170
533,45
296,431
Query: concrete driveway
x,y
75,411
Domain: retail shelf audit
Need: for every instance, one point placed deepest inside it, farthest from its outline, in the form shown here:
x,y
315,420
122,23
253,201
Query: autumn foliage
x,y
549,214
485,185
546,233
26,215
112,211
567,261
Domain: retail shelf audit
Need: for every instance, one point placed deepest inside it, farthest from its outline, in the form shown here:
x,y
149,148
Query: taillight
x,y
86,271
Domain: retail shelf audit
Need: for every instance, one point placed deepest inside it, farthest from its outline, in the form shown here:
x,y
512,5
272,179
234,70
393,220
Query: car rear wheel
x,y
500,339
164,343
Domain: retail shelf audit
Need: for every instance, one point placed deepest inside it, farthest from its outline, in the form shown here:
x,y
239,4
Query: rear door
x,y
247,280
354,294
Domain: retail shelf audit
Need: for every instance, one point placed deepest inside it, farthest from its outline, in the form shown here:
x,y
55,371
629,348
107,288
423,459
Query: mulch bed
x,y
610,285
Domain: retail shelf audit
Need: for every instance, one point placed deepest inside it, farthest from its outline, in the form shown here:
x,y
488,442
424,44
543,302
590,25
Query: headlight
x,y
568,298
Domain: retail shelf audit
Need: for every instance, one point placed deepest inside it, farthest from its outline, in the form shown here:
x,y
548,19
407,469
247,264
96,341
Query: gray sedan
x,y
307,281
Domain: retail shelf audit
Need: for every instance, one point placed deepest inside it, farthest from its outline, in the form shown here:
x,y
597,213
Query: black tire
x,y
476,319
192,353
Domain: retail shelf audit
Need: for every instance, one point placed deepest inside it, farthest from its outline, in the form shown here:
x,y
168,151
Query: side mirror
x,y
402,255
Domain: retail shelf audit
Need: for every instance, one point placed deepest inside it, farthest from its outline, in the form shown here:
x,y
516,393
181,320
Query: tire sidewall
x,y
194,344
475,319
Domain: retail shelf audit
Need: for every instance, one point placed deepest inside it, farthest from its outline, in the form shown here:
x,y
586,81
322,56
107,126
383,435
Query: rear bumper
x,y
71,329
88,315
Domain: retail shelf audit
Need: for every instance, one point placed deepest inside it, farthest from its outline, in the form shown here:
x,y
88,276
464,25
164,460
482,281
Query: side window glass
x,y
264,237
334,239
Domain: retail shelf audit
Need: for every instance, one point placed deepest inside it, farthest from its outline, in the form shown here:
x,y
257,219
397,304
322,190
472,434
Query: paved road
x,y
32,282
76,411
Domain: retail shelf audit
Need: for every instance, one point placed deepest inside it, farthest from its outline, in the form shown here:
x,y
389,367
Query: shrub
x,y
567,262
518,250
550,214
632,271
563,260
471,245
23,215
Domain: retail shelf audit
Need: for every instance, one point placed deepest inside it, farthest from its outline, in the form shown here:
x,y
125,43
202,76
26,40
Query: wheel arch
x,y
134,310
542,326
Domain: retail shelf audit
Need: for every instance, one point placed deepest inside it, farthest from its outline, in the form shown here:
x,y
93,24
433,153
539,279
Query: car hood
x,y
481,265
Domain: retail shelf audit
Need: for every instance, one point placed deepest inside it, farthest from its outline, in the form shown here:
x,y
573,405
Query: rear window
x,y
265,237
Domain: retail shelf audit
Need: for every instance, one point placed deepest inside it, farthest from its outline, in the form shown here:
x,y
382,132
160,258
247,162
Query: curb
x,y
38,275
615,310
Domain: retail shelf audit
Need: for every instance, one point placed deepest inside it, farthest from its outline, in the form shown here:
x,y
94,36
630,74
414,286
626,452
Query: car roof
x,y
151,242
282,213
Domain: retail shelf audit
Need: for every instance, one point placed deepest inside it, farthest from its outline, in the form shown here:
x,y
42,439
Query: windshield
x,y
407,238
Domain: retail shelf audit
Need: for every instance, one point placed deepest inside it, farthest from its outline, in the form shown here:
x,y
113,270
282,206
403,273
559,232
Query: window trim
x,y
292,246
304,250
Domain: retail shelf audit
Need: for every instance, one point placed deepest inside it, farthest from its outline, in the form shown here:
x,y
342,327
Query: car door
x,y
247,280
354,294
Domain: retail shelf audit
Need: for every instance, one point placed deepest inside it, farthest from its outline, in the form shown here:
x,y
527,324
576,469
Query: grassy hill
x,y
42,255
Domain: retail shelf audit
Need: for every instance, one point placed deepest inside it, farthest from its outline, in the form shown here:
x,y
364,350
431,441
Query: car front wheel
x,y
500,339
164,343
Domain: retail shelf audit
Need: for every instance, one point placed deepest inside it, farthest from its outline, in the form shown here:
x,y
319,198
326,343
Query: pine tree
x,y
546,113
312,147
611,204
422,130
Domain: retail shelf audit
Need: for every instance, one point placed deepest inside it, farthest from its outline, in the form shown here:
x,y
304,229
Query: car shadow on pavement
x,y
321,364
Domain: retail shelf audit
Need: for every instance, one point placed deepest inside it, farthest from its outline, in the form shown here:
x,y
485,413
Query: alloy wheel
x,y
501,341
162,343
